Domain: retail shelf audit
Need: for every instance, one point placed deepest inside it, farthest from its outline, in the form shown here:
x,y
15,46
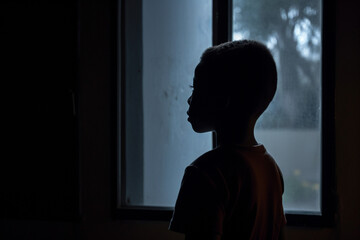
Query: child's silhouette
x,y
234,191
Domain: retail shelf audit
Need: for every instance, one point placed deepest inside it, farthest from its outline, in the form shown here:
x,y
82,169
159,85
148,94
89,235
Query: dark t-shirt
x,y
232,191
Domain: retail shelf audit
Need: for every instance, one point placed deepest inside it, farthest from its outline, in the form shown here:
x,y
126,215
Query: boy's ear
x,y
227,102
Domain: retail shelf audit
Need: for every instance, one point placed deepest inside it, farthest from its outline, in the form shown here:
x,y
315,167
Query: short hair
x,y
241,69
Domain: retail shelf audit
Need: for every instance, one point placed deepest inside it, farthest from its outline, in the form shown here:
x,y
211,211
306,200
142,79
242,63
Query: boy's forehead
x,y
199,74
201,71
203,77
199,68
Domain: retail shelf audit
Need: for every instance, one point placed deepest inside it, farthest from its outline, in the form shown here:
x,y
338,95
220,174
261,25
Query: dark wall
x,y
39,162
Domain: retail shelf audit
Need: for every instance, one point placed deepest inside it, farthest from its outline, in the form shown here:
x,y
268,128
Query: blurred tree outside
x,y
292,31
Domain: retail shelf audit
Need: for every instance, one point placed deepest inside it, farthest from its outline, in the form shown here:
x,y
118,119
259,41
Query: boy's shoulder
x,y
230,156
214,159
207,159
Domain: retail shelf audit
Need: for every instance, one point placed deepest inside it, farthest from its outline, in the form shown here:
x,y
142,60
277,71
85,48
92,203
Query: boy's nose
x,y
189,100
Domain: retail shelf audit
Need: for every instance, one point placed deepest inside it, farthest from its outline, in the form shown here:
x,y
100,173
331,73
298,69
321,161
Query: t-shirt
x,y
232,191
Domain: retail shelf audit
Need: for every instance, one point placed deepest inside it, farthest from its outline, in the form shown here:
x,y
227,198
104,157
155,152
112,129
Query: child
x,y
234,191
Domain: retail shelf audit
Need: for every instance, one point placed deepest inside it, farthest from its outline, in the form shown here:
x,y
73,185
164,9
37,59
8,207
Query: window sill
x,y
294,219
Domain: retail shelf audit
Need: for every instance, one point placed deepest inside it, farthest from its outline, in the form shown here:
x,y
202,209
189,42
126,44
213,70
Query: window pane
x,y
290,128
174,34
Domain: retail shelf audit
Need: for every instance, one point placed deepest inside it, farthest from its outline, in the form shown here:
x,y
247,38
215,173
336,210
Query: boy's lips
x,y
189,118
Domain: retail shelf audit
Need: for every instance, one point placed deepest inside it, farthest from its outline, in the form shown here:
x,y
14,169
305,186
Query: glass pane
x,y
174,35
290,128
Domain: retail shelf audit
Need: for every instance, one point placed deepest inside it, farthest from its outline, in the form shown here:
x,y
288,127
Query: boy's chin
x,y
200,128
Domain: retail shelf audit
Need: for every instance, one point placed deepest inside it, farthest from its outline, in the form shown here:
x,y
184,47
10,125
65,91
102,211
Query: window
x,y
161,45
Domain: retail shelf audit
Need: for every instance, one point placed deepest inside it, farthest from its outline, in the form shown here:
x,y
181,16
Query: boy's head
x,y
234,81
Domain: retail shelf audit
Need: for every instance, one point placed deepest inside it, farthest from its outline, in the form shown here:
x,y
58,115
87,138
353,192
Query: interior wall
x,y
347,110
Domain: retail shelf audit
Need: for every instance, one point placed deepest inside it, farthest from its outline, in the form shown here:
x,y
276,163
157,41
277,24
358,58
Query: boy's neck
x,y
242,134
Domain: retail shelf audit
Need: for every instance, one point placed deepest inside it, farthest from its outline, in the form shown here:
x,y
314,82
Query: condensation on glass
x,y
291,127
174,35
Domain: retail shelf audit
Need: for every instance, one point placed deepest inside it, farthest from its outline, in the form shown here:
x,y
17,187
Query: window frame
x,y
222,32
